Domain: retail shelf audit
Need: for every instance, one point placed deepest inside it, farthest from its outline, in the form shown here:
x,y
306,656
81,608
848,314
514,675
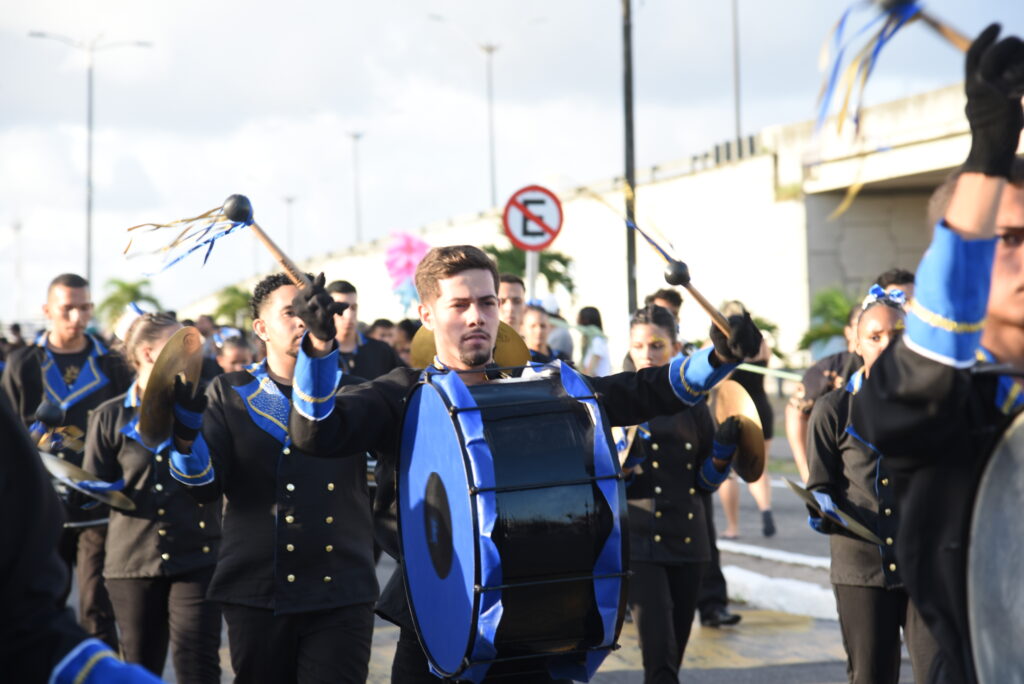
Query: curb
x,y
778,593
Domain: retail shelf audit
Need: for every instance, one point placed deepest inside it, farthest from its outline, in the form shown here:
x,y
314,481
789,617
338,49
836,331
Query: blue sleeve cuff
x,y
80,662
189,419
692,377
101,485
946,315
709,478
194,469
314,384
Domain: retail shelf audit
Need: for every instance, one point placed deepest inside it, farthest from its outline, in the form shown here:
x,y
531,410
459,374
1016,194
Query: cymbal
x,y
730,399
509,349
70,475
183,353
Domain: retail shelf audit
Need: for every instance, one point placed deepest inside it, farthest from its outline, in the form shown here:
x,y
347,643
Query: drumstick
x,y
677,273
238,208
955,38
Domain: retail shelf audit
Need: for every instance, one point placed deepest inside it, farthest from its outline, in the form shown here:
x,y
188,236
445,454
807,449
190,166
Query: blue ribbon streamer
x,y
203,241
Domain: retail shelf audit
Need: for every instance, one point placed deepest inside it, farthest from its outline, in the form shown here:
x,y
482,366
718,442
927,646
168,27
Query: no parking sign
x,y
533,218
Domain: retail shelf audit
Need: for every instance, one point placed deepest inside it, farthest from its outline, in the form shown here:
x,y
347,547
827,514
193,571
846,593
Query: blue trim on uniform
x,y
710,479
607,591
315,382
192,469
856,382
491,608
90,378
101,485
80,661
131,431
692,377
131,397
267,406
945,318
1009,397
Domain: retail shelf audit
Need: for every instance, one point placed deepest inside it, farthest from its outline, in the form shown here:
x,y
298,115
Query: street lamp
x,y
288,201
355,135
489,49
90,48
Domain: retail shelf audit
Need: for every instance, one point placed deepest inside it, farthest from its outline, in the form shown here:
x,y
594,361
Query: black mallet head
x,y
677,273
49,414
238,209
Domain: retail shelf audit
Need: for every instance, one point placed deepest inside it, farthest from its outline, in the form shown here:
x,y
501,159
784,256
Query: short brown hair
x,y
445,262
938,203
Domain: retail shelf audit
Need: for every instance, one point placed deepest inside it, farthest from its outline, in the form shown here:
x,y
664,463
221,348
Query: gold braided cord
x,y
213,217
938,321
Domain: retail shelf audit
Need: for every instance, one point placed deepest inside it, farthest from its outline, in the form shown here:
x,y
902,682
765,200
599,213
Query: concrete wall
x,y
880,231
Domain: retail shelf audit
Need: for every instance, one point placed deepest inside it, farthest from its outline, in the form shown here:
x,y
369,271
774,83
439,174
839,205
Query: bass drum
x,y
510,511
995,555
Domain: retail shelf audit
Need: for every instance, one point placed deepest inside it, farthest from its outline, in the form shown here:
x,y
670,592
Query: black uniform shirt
x,y
666,512
369,418
24,385
856,477
297,532
168,533
370,359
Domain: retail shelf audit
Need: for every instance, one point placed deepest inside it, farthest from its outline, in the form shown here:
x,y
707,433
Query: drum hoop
x,y
419,386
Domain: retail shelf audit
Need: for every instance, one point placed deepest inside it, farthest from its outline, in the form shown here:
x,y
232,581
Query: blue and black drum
x,y
510,518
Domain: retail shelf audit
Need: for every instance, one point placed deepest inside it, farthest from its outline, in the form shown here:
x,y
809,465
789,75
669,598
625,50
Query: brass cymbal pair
x,y
729,399
509,348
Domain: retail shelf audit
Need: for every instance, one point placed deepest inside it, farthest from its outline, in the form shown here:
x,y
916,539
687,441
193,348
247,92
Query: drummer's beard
x,y
473,358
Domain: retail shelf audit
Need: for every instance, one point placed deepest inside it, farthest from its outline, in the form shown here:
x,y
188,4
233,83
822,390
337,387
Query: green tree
x,y
830,310
121,293
554,266
233,305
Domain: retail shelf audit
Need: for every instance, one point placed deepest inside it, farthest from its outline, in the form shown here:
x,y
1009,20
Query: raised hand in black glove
x,y
317,310
994,83
188,410
744,340
727,436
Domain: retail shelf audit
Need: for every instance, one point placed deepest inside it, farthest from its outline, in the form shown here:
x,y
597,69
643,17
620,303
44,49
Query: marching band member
x,y
458,288
847,472
70,368
295,577
935,422
160,556
672,460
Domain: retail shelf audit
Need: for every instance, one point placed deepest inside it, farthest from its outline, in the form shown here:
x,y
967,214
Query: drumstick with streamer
x,y
206,229
891,17
676,272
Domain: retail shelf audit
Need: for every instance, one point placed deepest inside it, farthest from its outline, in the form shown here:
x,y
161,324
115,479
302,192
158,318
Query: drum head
x,y
995,555
436,530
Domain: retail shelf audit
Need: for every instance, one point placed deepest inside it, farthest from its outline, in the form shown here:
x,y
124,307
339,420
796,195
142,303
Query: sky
x,y
261,98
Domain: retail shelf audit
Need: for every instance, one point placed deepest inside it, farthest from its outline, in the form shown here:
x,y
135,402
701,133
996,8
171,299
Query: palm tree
x,y
233,305
830,310
554,266
121,293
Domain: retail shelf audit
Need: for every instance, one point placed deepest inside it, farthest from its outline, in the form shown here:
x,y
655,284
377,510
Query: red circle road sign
x,y
533,218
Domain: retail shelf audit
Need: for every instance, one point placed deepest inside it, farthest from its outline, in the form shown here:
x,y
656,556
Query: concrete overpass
x,y
752,226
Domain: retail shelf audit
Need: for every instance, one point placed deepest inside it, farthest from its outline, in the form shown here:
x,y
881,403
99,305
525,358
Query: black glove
x,y
727,436
744,340
188,410
994,83
317,310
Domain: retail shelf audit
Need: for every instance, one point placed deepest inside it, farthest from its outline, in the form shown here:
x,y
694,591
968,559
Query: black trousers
x,y
870,619
83,551
662,599
713,594
301,648
154,610
410,666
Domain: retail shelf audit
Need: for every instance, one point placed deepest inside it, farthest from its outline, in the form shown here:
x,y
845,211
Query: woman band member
x,y
160,557
671,460
849,473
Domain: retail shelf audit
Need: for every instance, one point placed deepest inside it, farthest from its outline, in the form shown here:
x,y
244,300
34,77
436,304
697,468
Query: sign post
x,y
532,221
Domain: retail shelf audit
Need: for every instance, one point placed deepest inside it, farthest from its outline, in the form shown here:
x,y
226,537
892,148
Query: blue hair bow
x,y
894,297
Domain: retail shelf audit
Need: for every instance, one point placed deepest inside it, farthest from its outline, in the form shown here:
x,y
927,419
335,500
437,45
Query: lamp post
x,y
488,49
736,76
288,201
630,171
355,185
90,47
